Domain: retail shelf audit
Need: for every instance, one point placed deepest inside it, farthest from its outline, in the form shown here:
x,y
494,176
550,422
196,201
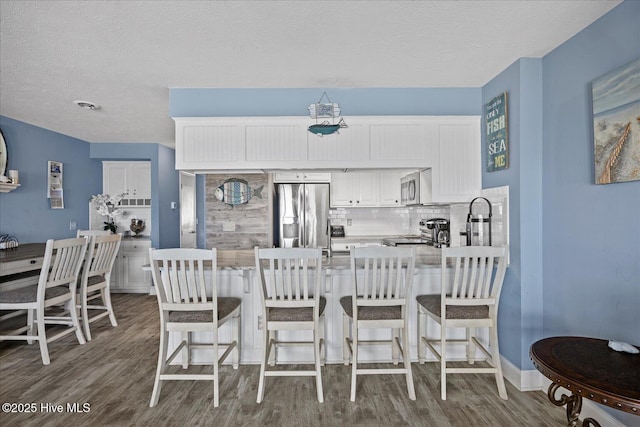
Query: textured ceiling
x,y
125,55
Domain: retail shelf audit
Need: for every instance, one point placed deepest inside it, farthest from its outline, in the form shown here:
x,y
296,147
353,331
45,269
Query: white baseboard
x,y
533,380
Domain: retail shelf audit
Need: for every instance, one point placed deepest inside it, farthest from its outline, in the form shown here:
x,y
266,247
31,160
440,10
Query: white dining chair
x,y
95,280
56,286
188,301
471,282
290,285
381,280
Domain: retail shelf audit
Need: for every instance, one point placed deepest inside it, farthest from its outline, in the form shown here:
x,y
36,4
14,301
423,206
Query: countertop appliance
x,y
415,188
301,214
478,228
404,240
337,230
435,231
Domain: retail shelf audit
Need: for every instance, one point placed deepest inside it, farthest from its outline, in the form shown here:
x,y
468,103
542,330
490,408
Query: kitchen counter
x,y
243,259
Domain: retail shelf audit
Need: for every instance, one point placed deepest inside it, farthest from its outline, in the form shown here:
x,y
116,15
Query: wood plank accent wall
x,y
252,220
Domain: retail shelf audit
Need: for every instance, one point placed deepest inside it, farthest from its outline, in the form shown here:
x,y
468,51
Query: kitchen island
x,y
236,277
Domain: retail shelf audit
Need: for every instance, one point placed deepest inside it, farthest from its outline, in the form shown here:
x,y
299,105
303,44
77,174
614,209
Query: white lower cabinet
x,y
127,274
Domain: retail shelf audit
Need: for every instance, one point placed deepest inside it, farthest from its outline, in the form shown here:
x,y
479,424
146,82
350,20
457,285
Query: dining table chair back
x,y
56,287
381,280
189,303
290,286
471,283
95,281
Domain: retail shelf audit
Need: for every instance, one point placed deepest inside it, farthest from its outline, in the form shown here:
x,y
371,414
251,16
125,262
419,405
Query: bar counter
x,y
243,259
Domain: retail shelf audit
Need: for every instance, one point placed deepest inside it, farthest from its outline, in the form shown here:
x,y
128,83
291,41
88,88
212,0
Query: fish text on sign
x,y
496,124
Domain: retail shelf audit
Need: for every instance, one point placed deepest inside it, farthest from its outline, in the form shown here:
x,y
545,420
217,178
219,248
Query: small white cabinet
x,y
132,178
456,172
365,189
354,189
127,274
389,188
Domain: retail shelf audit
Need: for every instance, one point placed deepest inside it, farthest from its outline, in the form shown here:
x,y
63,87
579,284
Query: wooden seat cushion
x,y
371,313
432,304
30,293
225,306
304,314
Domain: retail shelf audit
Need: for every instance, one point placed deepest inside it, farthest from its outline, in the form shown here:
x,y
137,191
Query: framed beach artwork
x,y
616,125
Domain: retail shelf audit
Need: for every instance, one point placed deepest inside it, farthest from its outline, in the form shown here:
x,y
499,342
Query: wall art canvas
x,y
616,125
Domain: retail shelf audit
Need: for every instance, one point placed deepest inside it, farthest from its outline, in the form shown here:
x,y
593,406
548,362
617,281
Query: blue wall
x,y
591,232
26,212
520,314
575,267
203,102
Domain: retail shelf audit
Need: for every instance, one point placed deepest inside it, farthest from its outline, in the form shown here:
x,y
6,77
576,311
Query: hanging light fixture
x,y
325,109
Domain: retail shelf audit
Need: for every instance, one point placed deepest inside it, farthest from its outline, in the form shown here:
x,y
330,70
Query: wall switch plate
x,y
73,225
228,226
174,205
349,222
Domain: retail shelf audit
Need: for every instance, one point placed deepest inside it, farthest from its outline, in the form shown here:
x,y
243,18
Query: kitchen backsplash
x,y
499,198
391,221
405,220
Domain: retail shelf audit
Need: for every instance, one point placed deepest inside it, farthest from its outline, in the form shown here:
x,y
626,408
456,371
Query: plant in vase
x,y
108,206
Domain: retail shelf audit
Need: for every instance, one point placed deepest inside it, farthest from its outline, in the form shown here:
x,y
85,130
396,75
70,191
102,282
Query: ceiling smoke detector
x,y
87,105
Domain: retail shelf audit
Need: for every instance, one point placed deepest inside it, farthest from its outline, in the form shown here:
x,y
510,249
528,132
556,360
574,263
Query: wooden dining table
x,y
588,368
21,266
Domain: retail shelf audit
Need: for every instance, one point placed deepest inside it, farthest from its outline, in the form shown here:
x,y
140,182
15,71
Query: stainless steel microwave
x,y
415,188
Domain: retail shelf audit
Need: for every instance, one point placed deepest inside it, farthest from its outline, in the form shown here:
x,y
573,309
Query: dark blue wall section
x,y
26,212
202,102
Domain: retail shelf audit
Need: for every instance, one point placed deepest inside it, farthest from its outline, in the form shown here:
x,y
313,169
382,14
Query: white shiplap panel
x,y
212,143
275,143
456,172
402,141
351,143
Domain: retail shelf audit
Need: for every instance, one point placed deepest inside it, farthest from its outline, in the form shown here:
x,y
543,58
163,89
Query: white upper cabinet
x,y
132,178
365,189
301,176
250,143
342,194
456,174
389,188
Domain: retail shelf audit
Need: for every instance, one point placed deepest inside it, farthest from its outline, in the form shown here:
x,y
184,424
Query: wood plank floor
x,y
114,374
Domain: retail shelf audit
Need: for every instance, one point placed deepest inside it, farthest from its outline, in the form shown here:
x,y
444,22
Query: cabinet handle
x,y
33,261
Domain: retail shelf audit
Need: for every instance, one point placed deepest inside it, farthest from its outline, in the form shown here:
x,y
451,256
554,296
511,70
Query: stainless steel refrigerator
x,y
301,215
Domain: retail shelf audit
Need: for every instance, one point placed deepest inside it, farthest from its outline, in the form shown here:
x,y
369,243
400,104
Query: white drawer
x,y
20,266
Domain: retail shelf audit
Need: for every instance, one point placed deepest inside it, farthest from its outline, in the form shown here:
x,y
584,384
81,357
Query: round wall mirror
x,y
3,155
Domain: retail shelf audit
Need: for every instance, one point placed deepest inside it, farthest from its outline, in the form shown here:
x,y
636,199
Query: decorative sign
x,y
54,185
497,133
